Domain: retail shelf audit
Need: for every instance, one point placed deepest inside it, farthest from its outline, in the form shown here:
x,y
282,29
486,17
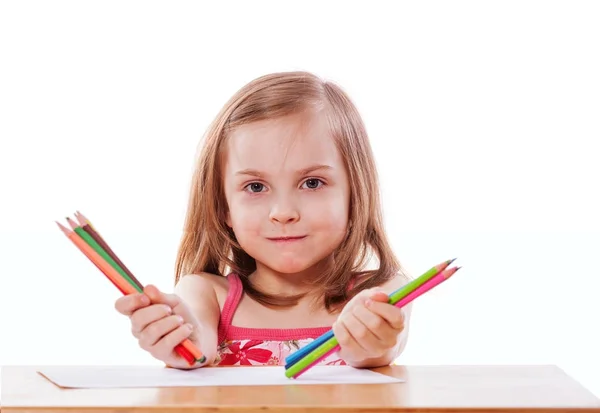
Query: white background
x,y
484,119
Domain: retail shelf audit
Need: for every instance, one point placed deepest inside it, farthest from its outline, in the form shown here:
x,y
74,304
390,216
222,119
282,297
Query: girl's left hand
x,y
368,327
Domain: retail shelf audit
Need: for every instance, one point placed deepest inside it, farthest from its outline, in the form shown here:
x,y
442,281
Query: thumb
x,y
380,296
158,297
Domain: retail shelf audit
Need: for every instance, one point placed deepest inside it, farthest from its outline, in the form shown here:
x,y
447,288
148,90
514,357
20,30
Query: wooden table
x,y
426,389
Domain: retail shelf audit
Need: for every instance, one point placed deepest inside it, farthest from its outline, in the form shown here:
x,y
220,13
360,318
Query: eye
x,y
254,187
313,183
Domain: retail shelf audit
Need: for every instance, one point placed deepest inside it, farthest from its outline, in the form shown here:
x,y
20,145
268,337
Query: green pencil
x,y
92,243
403,291
328,346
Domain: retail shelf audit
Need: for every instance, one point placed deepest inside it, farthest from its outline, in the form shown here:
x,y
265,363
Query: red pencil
x,y
186,349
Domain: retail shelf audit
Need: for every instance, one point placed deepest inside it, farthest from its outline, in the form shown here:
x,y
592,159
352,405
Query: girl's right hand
x,y
160,322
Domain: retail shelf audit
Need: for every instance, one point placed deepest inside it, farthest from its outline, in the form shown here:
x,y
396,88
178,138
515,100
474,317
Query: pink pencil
x,y
428,285
433,282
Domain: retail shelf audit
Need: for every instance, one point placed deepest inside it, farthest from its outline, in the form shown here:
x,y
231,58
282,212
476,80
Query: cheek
x,y
334,221
244,218
330,214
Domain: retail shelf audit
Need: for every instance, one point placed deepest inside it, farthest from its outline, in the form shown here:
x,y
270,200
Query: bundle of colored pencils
x,y
308,356
93,246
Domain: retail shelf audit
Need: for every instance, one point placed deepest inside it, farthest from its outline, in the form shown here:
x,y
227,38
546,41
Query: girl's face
x,y
287,191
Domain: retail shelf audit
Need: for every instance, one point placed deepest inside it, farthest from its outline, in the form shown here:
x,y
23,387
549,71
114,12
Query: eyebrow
x,y
254,172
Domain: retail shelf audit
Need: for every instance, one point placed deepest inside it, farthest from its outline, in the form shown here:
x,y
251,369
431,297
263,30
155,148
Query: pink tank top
x,y
260,346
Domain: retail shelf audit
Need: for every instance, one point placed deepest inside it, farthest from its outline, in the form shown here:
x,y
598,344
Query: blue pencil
x,y
395,296
296,356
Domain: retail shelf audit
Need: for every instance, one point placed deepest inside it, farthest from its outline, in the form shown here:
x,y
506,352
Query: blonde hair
x,y
209,245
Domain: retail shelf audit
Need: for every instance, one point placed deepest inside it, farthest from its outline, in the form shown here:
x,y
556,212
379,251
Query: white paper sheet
x,y
158,376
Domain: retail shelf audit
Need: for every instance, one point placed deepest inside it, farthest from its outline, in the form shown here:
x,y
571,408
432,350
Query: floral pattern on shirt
x,y
264,353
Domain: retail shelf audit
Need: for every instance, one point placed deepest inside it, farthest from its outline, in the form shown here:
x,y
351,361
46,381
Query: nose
x,y
284,211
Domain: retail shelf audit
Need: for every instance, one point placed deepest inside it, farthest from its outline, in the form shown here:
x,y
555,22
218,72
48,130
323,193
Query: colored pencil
x,y
192,354
107,263
433,282
87,226
122,284
331,345
298,354
393,298
92,243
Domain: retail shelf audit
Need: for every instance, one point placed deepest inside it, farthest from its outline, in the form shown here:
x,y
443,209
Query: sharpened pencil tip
x,y
71,223
79,218
450,272
64,229
85,220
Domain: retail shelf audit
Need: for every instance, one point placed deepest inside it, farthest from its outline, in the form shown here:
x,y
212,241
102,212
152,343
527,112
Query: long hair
x,y
209,245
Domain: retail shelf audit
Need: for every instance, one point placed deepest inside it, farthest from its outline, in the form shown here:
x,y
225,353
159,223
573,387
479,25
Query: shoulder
x,y
398,280
201,280
194,287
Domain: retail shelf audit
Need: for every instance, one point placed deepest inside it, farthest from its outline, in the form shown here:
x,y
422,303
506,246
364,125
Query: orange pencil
x,y
87,226
123,285
93,256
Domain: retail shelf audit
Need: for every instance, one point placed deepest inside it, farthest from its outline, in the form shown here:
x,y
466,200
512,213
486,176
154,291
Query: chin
x,y
287,266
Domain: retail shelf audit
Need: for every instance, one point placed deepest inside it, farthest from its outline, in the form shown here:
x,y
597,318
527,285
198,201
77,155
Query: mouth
x,y
286,239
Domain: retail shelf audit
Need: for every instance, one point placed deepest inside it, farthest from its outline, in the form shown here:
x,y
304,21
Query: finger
x,y
393,315
148,315
358,299
158,297
347,343
361,334
386,334
166,345
376,324
173,301
156,330
127,304
369,330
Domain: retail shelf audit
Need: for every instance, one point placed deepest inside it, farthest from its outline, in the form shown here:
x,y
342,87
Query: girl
x,y
284,214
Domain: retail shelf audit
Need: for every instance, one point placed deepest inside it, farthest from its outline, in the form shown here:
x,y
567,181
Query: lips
x,y
282,239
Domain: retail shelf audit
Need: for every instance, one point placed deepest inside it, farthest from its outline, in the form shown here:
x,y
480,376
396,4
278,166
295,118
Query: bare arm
x,y
198,293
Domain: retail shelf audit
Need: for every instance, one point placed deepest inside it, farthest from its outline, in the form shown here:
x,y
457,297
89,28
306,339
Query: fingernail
x,y
145,300
168,309
180,319
368,302
189,326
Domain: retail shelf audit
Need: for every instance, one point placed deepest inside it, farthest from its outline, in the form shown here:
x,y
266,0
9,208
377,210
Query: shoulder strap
x,y
234,294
